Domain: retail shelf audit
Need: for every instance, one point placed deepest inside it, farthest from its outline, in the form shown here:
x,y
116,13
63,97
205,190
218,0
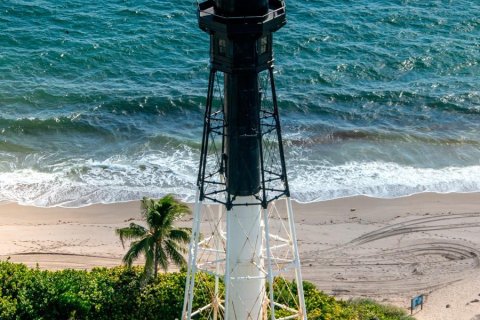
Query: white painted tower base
x,y
244,277
246,247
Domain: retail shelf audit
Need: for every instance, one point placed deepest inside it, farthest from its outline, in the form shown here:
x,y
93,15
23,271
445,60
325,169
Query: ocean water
x,y
102,101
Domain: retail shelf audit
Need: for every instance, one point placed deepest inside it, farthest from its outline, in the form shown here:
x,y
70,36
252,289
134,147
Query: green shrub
x,y
368,309
121,293
170,287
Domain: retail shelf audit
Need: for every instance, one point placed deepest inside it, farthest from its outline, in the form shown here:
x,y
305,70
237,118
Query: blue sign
x,y
417,301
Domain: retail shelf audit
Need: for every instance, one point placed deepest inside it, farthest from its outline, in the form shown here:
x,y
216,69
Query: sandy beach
x,y
386,249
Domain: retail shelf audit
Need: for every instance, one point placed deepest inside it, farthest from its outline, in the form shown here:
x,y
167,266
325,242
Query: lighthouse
x,y
243,228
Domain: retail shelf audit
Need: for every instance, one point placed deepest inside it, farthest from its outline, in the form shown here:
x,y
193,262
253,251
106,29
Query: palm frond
x,y
162,258
175,253
136,248
146,205
154,218
163,212
133,231
182,235
175,207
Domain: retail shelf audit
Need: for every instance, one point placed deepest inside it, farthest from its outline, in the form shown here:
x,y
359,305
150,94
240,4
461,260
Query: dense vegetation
x,y
121,293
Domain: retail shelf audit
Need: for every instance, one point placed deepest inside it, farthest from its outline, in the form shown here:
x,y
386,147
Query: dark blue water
x,y
102,101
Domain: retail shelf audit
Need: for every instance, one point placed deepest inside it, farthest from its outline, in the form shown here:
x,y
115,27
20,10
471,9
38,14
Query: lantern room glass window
x,y
222,47
262,45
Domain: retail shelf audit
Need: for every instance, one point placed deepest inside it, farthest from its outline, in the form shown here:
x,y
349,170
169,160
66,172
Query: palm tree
x,y
161,241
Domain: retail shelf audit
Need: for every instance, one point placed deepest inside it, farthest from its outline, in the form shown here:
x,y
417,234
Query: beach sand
x,y
386,249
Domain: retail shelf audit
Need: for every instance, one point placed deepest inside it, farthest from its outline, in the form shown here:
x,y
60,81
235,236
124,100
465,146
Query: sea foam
x,y
114,180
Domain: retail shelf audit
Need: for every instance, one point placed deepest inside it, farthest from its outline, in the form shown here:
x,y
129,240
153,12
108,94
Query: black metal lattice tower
x,y
242,151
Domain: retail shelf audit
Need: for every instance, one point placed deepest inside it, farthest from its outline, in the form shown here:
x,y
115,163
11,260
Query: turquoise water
x,y
102,101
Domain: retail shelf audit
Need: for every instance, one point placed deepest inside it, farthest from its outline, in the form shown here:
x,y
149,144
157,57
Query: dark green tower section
x,y
240,47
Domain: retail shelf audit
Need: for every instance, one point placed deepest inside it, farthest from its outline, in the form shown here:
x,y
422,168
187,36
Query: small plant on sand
x,y
159,242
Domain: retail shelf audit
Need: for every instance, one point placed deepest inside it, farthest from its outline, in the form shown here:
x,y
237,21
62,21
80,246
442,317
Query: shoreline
x,y
301,203
386,249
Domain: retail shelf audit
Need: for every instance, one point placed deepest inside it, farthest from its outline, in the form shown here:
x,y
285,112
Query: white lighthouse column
x,y
244,275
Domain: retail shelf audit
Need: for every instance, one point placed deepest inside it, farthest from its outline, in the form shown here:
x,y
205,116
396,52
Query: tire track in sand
x,y
400,259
